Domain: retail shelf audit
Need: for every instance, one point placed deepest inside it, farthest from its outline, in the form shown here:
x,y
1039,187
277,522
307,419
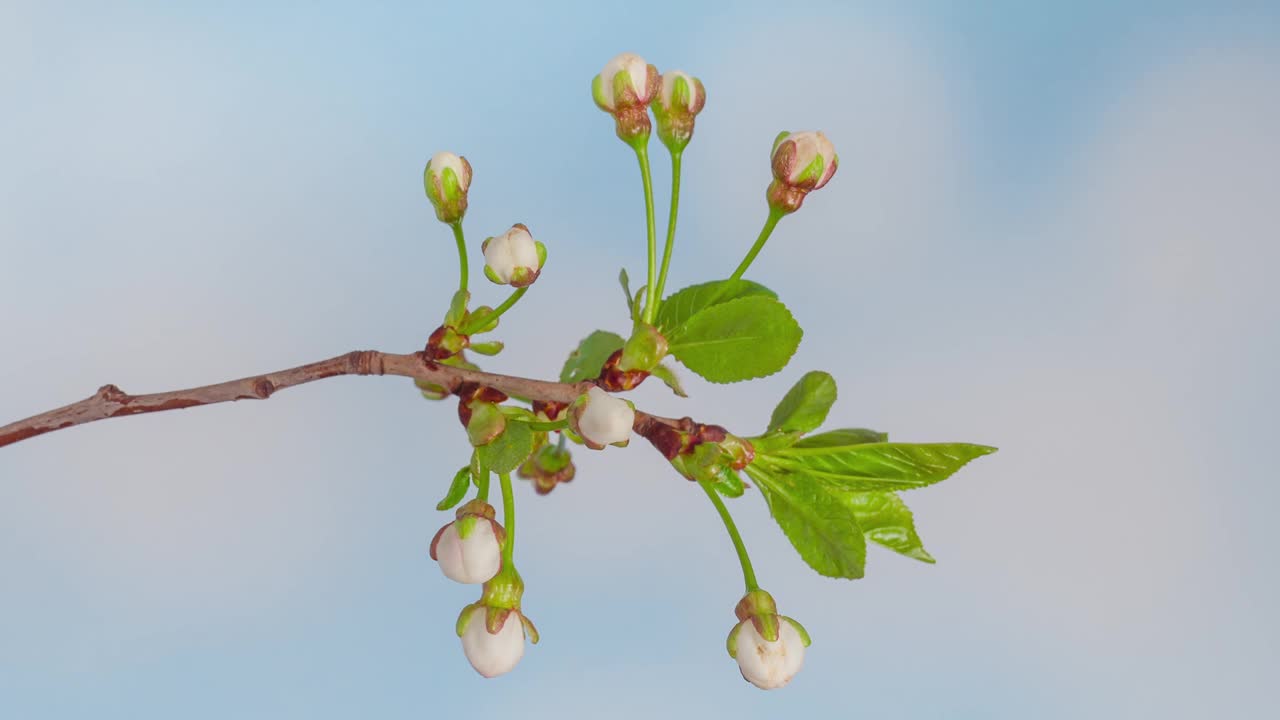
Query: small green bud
x,y
643,350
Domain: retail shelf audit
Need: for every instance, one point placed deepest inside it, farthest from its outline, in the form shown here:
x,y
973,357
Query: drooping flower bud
x,y
602,419
447,179
469,549
769,647
513,258
623,89
492,652
802,162
494,629
680,98
547,467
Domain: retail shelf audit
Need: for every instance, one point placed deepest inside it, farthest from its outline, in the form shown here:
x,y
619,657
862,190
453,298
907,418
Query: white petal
x,y
769,665
606,419
493,654
473,560
442,160
637,71
511,250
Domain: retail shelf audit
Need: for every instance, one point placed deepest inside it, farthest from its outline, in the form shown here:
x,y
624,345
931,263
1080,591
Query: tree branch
x,y
110,401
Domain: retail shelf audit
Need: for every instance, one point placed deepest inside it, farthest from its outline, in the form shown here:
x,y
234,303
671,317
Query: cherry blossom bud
x,y
513,258
492,653
623,89
547,467
447,179
769,647
802,162
469,549
602,419
494,629
680,98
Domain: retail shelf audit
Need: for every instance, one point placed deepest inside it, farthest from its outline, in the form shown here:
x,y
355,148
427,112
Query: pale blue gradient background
x,y
1054,230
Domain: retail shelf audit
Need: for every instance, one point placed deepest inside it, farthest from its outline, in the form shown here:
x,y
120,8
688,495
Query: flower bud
x,y
469,549
447,179
623,89
547,467
493,638
513,258
769,647
602,419
680,98
802,162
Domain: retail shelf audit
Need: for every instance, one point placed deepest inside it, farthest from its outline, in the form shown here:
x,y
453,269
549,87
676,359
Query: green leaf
x,y
585,362
820,527
505,453
806,404
668,376
684,304
843,437
457,489
885,519
625,282
746,338
729,484
875,466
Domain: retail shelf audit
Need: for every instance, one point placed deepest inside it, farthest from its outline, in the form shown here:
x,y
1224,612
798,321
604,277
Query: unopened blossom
x,y
469,549
602,419
769,647
680,98
514,257
447,179
624,89
492,653
802,162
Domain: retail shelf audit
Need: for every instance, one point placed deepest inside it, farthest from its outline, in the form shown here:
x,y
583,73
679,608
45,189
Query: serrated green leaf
x,y
687,302
668,376
505,453
875,466
820,527
886,520
585,362
805,406
746,338
457,489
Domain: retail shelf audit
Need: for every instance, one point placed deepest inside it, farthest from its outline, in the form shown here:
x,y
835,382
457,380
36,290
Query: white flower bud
x,y
514,257
768,665
635,73
493,654
473,559
805,160
602,419
448,190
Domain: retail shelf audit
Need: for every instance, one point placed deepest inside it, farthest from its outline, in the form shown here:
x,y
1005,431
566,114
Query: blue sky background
x,y
1053,230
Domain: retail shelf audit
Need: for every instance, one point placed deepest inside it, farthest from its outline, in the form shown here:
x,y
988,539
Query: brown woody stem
x,y
110,401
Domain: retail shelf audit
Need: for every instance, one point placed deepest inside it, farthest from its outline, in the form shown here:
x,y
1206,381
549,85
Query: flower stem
x,y
506,305
508,519
671,229
748,574
482,492
462,254
774,216
651,289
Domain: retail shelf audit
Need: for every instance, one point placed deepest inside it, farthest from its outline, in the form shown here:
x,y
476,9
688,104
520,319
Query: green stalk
x,y
512,299
651,289
508,519
671,230
748,574
462,253
774,216
482,492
